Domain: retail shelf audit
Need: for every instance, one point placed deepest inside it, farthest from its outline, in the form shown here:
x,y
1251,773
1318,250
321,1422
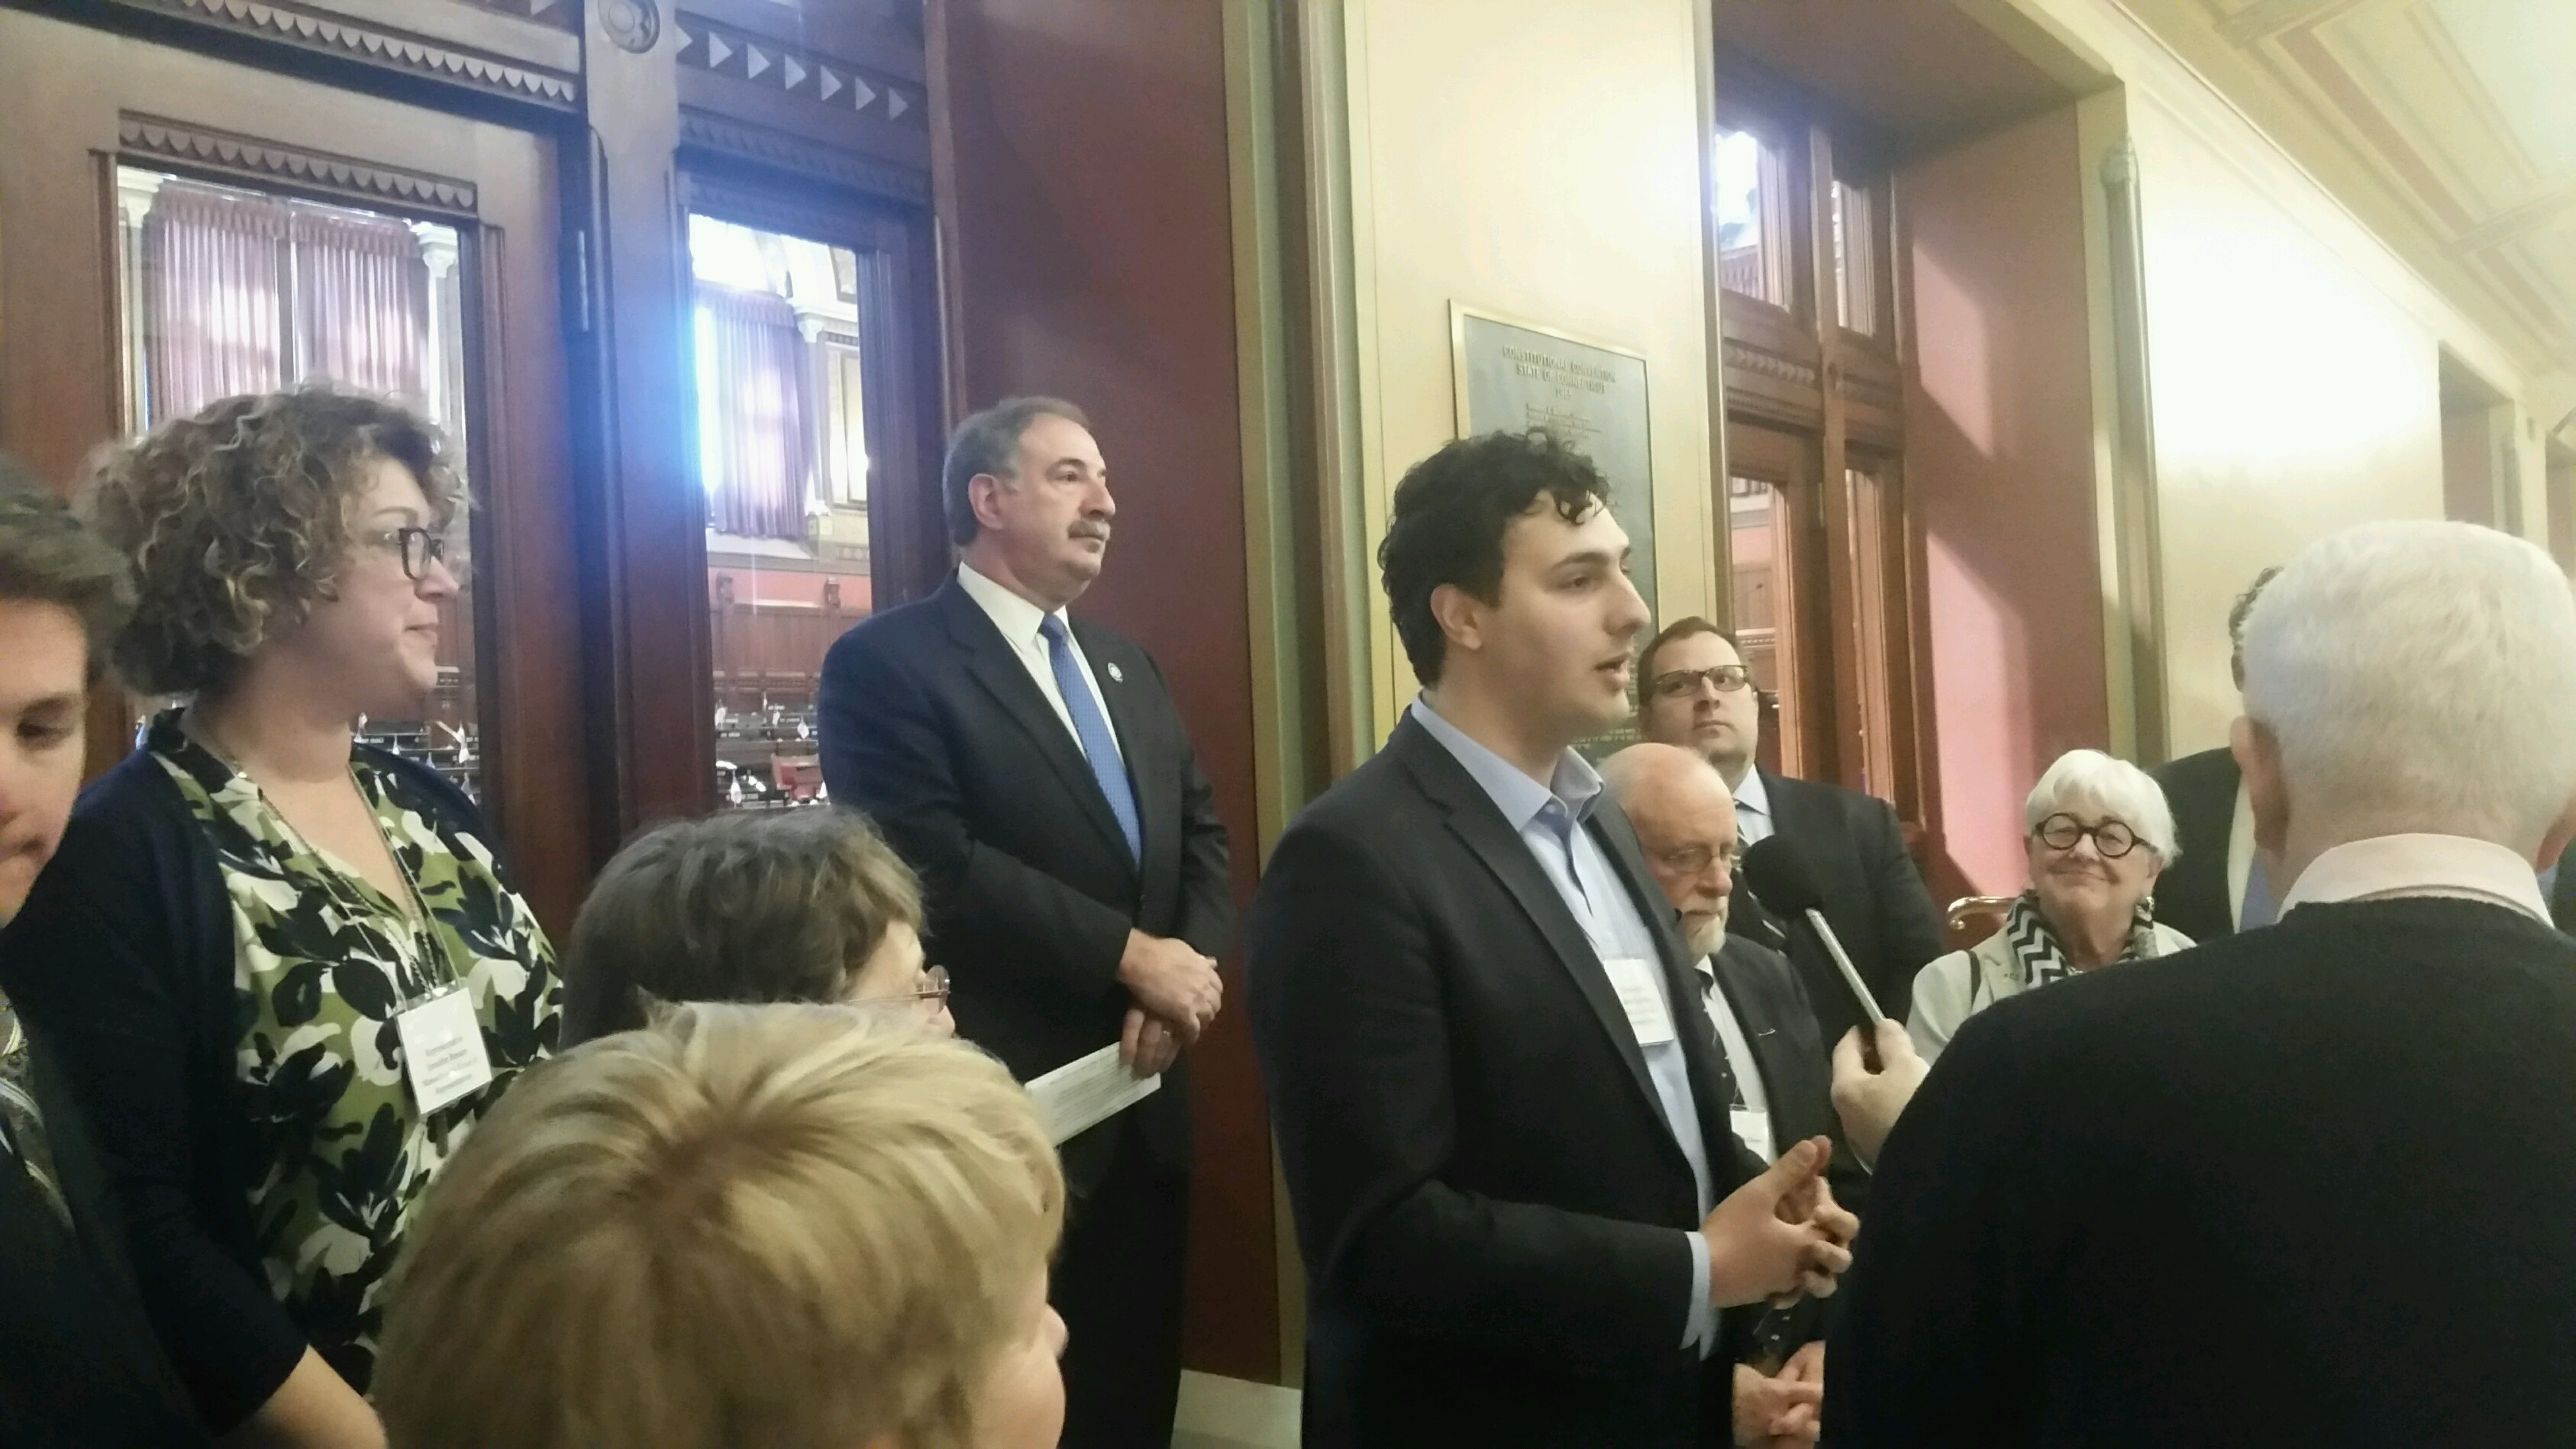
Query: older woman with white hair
x,y
2100,834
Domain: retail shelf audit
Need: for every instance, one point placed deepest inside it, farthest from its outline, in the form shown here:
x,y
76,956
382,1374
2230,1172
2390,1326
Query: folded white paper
x,y
1087,1091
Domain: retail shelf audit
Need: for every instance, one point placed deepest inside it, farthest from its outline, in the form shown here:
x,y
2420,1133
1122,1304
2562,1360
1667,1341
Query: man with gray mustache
x,y
1033,769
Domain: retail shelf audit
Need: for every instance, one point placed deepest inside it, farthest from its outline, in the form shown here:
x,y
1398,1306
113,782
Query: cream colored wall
x,y
2294,356
1540,160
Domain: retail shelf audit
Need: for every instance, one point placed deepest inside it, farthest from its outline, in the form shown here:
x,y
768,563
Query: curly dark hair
x,y
47,557
237,521
1450,514
751,907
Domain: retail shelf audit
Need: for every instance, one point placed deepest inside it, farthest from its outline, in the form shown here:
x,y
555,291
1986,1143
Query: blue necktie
x,y
1097,743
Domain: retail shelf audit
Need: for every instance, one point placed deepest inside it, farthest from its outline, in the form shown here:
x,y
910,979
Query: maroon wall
x,y
1086,184
1999,451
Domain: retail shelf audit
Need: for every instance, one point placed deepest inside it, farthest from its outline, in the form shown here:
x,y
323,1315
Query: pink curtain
x,y
361,303
760,456
215,270
249,293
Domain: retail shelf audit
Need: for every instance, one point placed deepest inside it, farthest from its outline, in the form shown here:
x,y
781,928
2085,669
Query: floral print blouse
x,y
324,962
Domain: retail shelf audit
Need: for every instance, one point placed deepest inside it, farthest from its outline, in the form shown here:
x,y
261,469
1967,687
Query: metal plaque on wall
x,y
1511,376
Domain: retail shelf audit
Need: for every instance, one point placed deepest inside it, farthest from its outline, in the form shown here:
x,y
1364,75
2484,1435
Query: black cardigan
x,y
2309,1185
124,954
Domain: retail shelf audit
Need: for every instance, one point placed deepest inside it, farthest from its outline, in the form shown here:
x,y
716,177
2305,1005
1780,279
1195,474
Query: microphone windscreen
x,y
1781,878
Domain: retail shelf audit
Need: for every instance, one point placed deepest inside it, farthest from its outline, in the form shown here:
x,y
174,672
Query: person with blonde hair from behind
x,y
786,1226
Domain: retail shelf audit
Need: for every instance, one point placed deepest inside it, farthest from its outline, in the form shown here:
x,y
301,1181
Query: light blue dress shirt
x,y
1549,822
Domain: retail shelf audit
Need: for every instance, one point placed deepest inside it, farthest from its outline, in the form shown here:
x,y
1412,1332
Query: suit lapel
x,y
1712,1080
990,660
1480,826
1771,1048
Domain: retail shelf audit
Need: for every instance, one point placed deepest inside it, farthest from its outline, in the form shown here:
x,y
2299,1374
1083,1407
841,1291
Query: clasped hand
x,y
1177,993
1780,1234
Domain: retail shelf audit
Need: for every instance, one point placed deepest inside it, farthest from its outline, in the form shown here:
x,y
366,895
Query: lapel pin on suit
x,y
1116,674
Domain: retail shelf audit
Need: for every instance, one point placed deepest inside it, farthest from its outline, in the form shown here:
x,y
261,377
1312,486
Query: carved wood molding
x,y
563,15
1766,364
1872,392
199,148
822,80
736,140
350,39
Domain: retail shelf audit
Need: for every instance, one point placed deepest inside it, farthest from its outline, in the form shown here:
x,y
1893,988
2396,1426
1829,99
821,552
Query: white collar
x,y
1754,795
1017,618
2420,865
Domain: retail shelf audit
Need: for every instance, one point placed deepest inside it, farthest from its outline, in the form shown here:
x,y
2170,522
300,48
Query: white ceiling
x,y
2450,125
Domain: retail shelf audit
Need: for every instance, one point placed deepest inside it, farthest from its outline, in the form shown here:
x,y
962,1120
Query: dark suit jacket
x,y
78,1363
1796,1065
1490,1202
1798,1082
2306,1185
2192,895
933,726
1874,900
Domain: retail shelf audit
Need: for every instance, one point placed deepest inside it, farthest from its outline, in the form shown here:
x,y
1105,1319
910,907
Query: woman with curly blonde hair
x,y
745,1227
285,970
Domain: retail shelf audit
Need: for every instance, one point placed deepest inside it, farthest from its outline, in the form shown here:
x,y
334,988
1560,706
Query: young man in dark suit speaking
x,y
1034,771
1502,1113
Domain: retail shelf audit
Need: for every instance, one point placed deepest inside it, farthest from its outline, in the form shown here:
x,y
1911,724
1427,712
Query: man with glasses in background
x,y
1694,692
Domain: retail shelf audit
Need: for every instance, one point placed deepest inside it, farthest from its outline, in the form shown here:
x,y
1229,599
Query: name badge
x,y
1754,1129
1642,997
442,1047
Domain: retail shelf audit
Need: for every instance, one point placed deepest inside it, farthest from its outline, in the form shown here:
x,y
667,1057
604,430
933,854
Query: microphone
x,y
1783,880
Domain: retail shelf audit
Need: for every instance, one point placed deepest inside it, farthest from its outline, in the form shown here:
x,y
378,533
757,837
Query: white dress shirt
x,y
1018,619
1752,809
2388,866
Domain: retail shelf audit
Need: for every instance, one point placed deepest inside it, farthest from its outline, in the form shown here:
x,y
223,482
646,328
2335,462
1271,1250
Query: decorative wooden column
x,y
644,516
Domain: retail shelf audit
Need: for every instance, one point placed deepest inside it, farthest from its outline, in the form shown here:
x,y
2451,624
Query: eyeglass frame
x,y
935,987
1712,675
432,547
1705,857
2101,846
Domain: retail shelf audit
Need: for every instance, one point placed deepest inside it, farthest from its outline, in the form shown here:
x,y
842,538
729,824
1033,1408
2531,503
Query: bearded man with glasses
x,y
1693,691
2100,834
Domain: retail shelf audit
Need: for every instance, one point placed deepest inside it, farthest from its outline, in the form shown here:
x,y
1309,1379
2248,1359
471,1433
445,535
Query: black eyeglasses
x,y
1683,683
418,548
2111,838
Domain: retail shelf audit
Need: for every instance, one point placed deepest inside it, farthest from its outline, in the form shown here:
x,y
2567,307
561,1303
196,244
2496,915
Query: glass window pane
x,y
226,291
1752,218
1766,609
1870,521
783,459
1855,259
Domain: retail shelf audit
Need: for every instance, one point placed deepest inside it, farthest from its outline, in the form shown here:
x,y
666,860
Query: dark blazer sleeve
x,y
1909,928
884,750
114,957
1927,1347
1348,1013
1207,881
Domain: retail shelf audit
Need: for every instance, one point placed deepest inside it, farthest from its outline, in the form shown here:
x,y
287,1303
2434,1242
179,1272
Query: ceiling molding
x,y
2517,222
2266,19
